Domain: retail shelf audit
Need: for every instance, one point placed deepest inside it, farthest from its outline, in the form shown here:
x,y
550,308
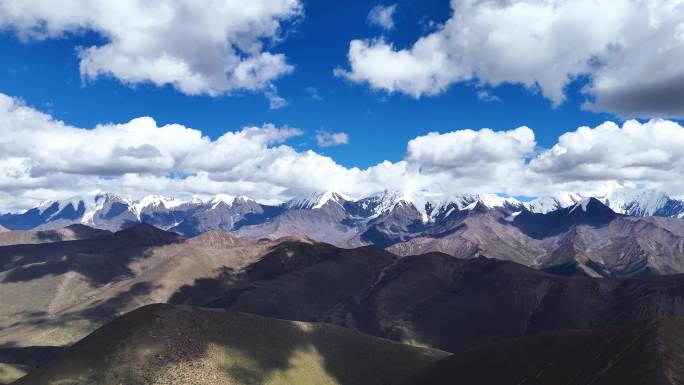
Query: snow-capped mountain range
x,y
112,212
639,203
595,234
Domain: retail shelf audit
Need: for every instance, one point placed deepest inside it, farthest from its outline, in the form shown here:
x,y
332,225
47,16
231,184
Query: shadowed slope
x,y
60,277
162,344
76,287
440,301
589,240
650,353
100,259
434,299
16,362
324,225
69,233
293,279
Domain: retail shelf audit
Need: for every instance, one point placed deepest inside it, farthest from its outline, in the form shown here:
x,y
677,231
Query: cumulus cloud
x,y
456,150
382,16
329,139
43,158
199,47
632,153
630,53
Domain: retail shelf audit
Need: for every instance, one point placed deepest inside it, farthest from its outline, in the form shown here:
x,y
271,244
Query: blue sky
x,y
426,97
45,74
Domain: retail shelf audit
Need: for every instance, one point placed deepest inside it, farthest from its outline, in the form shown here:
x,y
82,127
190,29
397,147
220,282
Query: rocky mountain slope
x,y
432,300
77,286
586,239
571,233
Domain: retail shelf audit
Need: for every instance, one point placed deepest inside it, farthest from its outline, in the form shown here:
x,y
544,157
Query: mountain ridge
x,y
586,237
160,210
179,344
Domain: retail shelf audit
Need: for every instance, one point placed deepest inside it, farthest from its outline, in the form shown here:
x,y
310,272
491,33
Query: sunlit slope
x,y
164,344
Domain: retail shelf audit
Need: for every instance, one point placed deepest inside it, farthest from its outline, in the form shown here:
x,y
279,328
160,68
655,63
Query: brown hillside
x,y
162,344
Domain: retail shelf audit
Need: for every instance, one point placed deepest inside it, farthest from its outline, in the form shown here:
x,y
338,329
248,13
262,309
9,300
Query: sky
x,y
279,98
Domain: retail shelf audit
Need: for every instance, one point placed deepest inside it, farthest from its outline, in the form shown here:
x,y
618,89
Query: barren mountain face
x,y
584,238
76,286
434,300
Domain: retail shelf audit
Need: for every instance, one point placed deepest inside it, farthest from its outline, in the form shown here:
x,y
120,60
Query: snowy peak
x,y
155,202
67,209
623,201
44,206
440,209
159,201
589,211
109,198
316,201
59,205
383,202
493,201
589,204
227,201
637,202
219,199
547,204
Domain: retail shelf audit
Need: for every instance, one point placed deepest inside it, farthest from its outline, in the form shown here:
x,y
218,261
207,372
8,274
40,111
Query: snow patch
x,y
316,200
154,201
443,206
583,204
629,201
512,217
385,202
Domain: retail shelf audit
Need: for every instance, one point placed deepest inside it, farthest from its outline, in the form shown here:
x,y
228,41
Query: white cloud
x,y
468,148
486,96
199,47
635,152
329,139
275,101
382,16
473,161
631,51
42,158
